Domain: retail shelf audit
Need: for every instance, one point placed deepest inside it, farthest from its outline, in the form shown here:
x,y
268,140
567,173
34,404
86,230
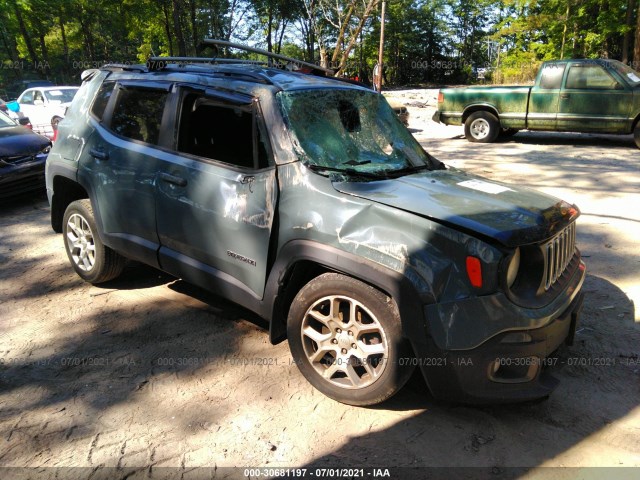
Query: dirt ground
x,y
146,376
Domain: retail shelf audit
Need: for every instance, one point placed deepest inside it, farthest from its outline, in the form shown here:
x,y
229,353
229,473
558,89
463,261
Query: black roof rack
x,y
158,63
270,55
123,66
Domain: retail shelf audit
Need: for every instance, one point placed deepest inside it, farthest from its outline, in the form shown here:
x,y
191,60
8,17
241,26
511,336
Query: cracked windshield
x,y
350,131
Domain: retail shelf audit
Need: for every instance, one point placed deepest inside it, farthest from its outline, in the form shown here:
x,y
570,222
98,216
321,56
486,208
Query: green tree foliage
x,y
436,41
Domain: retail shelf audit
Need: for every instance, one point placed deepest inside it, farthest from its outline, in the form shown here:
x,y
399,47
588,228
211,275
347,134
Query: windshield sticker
x,y
633,77
55,93
485,187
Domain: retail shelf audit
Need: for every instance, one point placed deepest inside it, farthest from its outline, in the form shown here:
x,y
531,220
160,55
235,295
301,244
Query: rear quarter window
x,y
102,99
137,114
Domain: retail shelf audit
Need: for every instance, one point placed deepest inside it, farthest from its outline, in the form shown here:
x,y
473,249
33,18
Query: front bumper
x,y
486,350
24,177
510,367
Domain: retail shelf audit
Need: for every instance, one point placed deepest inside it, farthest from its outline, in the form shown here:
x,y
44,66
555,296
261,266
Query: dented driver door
x,y
216,195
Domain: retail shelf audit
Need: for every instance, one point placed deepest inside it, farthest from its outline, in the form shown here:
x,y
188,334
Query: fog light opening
x,y
514,370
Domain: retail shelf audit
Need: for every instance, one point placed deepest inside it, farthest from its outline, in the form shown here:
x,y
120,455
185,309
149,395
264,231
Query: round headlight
x,y
514,266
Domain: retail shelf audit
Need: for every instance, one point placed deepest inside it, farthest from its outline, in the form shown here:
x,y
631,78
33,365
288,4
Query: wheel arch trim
x,y
330,258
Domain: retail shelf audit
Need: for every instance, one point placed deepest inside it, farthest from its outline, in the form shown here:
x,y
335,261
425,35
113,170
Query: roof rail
x,y
158,63
123,66
270,55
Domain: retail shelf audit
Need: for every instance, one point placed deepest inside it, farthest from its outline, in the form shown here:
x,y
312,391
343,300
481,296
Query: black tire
x,y
93,261
368,353
482,127
636,134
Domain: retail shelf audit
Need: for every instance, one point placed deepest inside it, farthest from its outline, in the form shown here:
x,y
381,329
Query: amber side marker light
x,y
440,97
474,271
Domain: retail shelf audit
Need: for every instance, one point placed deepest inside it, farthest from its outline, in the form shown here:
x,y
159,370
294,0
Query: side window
x,y
102,99
138,114
27,98
590,76
552,76
219,131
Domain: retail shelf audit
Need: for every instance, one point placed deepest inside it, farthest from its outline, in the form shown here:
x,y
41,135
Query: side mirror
x,y
24,121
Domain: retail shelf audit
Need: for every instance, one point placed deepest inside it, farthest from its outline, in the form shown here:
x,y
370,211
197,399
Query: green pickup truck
x,y
601,96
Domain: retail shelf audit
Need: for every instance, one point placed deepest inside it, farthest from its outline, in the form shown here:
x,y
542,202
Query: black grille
x,y
558,254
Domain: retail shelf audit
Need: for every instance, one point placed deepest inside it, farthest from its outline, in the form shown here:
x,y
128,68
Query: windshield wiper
x,y
408,170
347,171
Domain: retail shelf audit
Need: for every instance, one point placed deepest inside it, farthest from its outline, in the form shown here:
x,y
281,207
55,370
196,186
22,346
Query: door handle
x,y
179,181
98,154
564,96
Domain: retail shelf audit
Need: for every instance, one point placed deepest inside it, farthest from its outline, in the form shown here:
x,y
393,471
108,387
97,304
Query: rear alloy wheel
x,y
482,127
93,261
345,337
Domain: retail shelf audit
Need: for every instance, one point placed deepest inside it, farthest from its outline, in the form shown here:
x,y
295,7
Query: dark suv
x,y
305,200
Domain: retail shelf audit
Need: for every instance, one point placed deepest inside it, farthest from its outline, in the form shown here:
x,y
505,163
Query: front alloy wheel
x,y
344,342
346,338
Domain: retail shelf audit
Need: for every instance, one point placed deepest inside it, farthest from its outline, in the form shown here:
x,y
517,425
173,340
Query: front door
x,y
593,100
216,196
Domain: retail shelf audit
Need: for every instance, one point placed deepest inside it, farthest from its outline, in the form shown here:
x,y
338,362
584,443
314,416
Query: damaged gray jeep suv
x,y
305,200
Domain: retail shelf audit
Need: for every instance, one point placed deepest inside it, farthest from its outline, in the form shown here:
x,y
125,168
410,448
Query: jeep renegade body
x,y
305,200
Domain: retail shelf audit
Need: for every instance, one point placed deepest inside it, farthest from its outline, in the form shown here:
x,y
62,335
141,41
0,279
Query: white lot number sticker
x,y
633,77
486,187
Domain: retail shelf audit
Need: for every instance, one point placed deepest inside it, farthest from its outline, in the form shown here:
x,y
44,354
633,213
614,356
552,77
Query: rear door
x,y
593,100
120,163
216,195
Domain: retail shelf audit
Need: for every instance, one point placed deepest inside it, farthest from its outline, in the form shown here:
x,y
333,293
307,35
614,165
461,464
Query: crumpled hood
x,y
509,214
18,140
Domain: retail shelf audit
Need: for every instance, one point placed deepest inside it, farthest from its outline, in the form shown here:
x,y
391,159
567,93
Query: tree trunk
x,y
88,36
25,34
177,27
8,40
354,36
626,42
65,45
564,31
194,26
337,52
167,28
284,27
269,41
44,66
636,48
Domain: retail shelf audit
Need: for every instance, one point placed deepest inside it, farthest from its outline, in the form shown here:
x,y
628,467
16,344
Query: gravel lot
x,y
148,372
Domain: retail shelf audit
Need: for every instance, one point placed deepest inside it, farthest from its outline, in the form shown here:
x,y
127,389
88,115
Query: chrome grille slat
x,y
559,253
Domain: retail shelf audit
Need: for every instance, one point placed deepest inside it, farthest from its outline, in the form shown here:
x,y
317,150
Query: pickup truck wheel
x,y
636,134
481,127
92,261
346,339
